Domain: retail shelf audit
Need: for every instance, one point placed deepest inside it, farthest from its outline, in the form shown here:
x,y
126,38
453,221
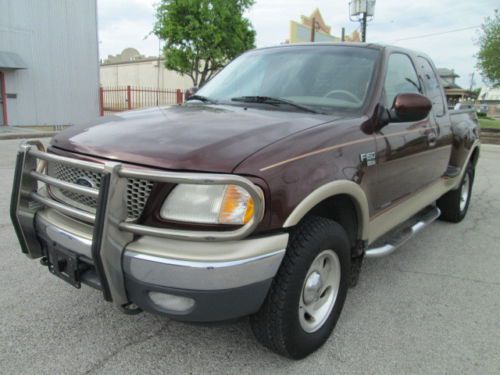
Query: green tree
x,y
489,52
475,93
201,36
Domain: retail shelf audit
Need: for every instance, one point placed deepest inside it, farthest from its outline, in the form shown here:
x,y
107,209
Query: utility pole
x,y
313,29
343,34
363,28
362,11
472,81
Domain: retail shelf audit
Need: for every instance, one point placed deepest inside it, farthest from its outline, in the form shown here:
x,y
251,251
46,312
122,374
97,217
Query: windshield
x,y
322,77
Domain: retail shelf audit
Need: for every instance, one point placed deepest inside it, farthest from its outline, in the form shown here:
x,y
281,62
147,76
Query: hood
x,y
190,137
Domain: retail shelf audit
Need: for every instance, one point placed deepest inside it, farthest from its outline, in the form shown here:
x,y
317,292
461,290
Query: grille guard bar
x,y
111,230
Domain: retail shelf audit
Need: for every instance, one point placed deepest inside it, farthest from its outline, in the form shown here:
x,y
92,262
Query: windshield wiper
x,y
201,98
272,100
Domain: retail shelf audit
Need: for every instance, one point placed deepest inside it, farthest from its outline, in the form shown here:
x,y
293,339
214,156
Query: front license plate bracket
x,y
65,265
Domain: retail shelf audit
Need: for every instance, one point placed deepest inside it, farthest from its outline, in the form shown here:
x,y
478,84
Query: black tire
x,y
277,325
453,207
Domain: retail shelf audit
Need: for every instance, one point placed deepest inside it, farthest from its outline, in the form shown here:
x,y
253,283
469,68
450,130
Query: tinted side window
x,y
401,78
432,86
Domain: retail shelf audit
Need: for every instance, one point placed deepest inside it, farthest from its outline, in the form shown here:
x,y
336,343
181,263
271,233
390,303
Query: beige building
x,y
300,32
130,68
489,99
454,93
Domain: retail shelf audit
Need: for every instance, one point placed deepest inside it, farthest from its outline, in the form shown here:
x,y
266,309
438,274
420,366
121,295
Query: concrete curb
x,y
491,136
27,135
491,130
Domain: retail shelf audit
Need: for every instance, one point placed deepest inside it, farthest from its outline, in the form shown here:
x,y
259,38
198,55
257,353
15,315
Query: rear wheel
x,y
455,203
308,293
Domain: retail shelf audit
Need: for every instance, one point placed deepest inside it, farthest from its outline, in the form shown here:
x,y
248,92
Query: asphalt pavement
x,y
433,307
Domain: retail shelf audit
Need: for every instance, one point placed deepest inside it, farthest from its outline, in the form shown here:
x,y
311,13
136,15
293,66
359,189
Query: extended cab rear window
x,y
326,77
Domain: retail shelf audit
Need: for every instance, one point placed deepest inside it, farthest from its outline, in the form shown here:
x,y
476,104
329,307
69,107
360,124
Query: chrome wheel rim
x,y
464,192
319,291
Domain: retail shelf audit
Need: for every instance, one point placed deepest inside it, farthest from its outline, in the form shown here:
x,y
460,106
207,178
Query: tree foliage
x,y
201,36
489,52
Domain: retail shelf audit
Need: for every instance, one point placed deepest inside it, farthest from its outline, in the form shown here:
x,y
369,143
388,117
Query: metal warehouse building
x,y
49,64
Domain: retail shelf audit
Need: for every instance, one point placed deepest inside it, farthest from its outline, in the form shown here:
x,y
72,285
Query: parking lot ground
x,y
433,307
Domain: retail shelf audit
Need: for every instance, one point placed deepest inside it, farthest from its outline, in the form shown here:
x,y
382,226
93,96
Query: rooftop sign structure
x,y
302,32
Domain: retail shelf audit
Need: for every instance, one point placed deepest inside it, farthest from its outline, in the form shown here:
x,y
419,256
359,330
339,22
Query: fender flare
x,y
475,146
329,190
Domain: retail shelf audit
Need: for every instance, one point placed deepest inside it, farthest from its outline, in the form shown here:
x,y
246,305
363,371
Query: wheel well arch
x,y
342,201
474,156
340,208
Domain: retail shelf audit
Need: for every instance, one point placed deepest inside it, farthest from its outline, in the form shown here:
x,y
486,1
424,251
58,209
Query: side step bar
x,y
396,238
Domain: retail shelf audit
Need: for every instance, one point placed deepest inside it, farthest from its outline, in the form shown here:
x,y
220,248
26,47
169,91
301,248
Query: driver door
x,y
401,147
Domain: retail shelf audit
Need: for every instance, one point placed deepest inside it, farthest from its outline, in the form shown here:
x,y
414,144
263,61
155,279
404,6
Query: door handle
x,y
431,139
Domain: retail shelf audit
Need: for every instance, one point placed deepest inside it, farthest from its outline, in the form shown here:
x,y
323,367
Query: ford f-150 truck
x,y
259,196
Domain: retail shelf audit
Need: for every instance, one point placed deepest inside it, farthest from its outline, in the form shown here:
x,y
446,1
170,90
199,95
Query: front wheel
x,y
308,293
455,203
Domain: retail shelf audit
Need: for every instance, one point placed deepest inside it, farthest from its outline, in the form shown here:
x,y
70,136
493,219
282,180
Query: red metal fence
x,y
117,99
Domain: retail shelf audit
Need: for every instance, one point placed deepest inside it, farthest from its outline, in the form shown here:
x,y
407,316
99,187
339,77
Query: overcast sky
x,y
127,23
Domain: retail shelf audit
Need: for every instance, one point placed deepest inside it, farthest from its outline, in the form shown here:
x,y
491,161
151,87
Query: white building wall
x,y
143,74
57,39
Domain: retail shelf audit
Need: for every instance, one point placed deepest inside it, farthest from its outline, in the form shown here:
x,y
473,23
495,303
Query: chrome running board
x,y
397,237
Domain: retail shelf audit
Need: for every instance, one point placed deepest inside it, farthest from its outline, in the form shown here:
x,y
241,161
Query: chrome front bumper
x,y
197,260
176,263
197,266
232,275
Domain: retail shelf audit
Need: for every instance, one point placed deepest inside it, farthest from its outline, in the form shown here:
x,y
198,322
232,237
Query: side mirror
x,y
190,92
409,107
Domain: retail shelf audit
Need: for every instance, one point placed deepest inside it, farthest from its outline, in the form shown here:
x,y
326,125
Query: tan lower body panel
x,y
401,211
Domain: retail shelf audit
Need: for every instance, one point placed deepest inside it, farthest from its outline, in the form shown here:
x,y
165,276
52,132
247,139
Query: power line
x,y
434,34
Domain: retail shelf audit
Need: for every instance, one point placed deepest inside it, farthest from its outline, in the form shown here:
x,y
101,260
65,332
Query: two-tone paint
x,y
298,159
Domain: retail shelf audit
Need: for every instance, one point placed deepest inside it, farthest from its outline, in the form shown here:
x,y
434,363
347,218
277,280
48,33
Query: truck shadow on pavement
x,y
406,307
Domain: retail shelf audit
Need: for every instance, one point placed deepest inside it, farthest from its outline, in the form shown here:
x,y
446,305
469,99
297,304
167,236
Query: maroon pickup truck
x,y
259,196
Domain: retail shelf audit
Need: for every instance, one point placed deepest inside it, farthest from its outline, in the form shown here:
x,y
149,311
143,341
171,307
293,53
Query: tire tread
x,y
449,204
268,323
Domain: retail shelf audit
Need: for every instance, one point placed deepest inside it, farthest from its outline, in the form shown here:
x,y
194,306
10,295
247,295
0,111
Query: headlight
x,y
208,204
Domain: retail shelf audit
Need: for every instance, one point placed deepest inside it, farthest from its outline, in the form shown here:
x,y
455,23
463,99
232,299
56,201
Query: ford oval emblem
x,y
85,181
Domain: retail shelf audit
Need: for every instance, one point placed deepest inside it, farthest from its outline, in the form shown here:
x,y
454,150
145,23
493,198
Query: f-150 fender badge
x,y
368,158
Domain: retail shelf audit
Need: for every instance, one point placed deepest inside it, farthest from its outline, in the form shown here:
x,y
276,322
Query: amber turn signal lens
x,y
237,206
